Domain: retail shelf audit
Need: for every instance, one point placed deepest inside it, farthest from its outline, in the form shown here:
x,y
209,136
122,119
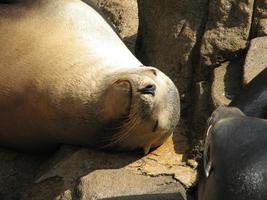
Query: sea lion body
x,y
235,157
253,98
66,77
235,151
237,154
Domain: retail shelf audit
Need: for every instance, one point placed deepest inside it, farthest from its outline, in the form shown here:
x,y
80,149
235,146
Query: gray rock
x,y
227,82
259,21
262,28
81,174
17,172
256,59
201,108
124,184
227,30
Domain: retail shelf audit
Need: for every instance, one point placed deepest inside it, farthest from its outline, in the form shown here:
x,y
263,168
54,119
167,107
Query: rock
x,y
124,184
218,86
168,159
167,38
124,17
227,30
262,28
87,174
227,82
256,58
200,109
17,171
259,21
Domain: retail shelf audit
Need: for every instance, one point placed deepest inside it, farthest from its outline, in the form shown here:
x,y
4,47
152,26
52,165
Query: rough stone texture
x,y
201,107
17,171
256,59
259,25
218,86
169,159
86,174
167,38
227,30
227,82
124,17
262,28
124,184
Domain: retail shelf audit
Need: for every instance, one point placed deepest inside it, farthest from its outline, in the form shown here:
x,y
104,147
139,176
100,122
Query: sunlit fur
x,y
67,78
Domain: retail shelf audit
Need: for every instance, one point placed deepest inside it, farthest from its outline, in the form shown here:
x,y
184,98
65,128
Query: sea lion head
x,y
148,104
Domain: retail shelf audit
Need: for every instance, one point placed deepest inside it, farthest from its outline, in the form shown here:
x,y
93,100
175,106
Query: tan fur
x,y
66,77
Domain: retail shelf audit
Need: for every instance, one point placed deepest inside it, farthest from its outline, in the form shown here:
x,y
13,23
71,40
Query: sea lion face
x,y
150,103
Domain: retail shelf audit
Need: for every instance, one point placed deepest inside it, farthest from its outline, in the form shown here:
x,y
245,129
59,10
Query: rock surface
x,y
17,172
256,59
227,82
259,22
74,173
227,30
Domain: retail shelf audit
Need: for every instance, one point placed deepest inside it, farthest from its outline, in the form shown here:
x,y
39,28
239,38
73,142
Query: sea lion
x,y
235,157
253,98
67,78
235,151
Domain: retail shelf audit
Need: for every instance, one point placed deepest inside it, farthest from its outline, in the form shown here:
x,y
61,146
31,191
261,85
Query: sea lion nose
x,y
149,89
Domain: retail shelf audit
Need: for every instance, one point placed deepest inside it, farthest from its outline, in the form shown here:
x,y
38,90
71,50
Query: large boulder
x,y
256,59
227,30
74,173
17,172
259,25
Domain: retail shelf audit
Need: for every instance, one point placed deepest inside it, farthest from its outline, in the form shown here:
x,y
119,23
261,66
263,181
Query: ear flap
x,y
207,164
118,99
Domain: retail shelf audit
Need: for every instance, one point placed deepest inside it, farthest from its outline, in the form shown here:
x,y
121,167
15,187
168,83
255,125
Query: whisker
x,y
122,135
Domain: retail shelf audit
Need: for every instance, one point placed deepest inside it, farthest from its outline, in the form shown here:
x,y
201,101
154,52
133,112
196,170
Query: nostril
x,y
149,89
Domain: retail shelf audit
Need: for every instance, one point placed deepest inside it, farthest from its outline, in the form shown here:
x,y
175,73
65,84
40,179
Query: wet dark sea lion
x,y
235,151
235,157
253,98
67,78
